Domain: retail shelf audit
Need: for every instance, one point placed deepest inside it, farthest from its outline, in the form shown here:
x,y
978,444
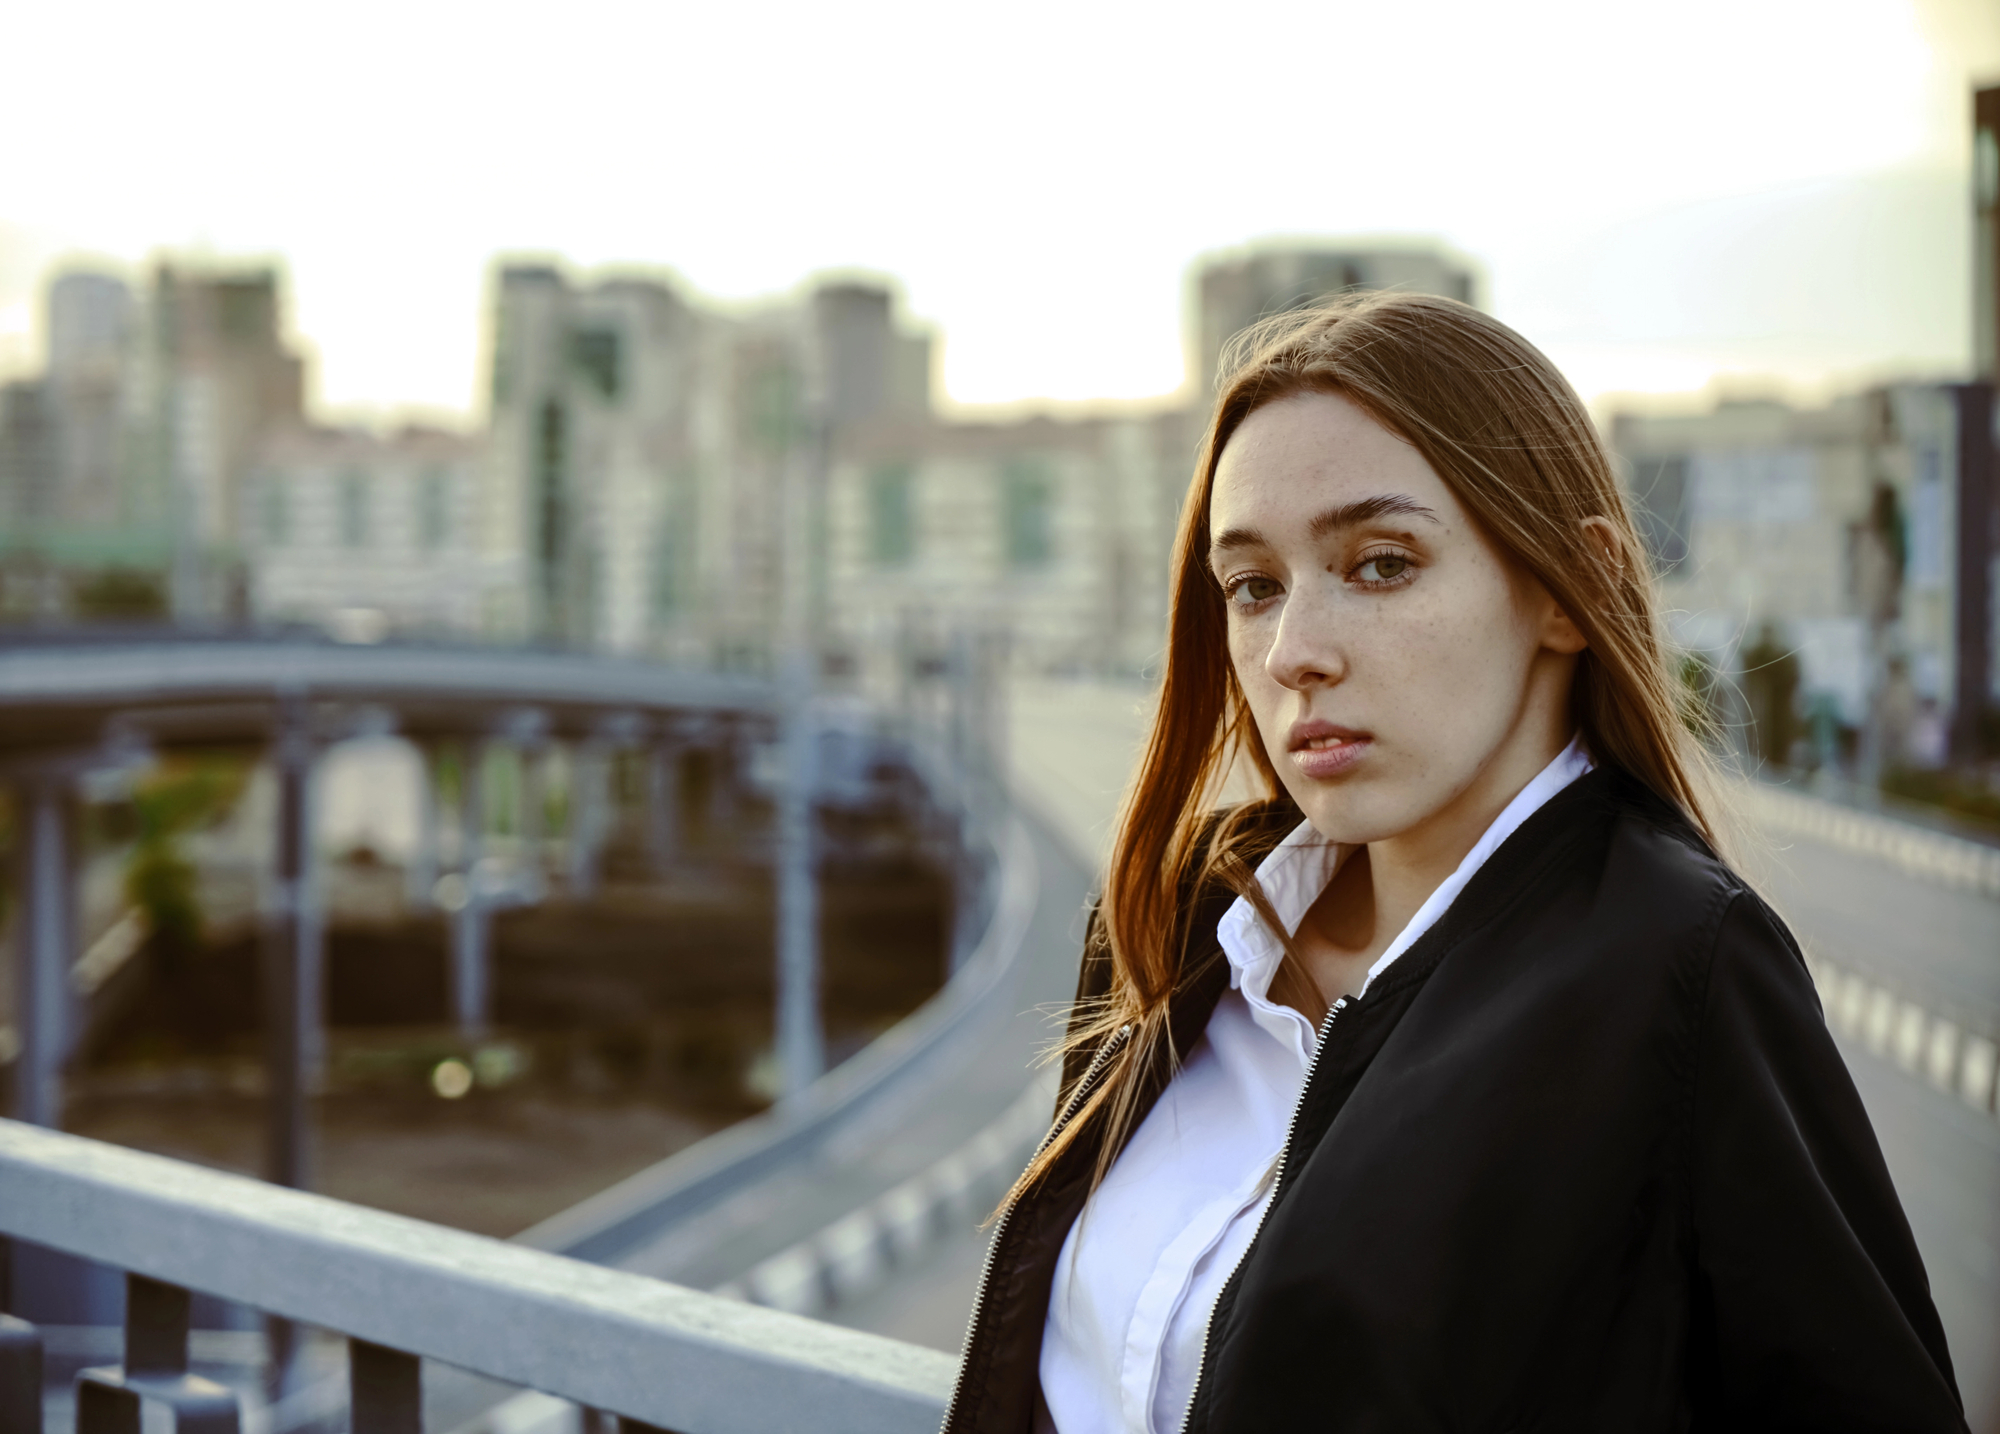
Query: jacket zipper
x,y
1277,1179
1076,1099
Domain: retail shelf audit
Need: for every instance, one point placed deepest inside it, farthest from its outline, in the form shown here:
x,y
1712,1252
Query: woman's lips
x,y
1322,751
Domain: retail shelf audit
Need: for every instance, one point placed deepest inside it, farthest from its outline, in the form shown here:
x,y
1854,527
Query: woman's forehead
x,y
1298,457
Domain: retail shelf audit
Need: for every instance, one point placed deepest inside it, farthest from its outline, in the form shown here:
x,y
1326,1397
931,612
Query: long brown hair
x,y
1505,430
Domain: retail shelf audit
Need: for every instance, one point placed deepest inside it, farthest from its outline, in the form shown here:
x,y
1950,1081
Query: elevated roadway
x,y
60,692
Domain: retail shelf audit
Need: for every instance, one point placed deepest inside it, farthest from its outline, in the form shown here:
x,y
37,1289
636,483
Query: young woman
x,y
1458,1084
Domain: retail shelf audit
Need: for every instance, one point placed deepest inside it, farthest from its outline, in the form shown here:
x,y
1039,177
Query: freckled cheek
x,y
1454,662
1248,650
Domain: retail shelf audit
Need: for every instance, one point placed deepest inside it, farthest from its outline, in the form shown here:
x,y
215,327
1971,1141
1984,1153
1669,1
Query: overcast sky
x,y
1658,194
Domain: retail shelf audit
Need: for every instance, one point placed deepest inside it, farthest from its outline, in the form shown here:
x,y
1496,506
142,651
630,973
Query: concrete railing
x,y
1930,856
401,1290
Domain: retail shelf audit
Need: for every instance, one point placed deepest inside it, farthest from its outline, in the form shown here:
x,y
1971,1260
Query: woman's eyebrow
x,y
1367,510
1347,515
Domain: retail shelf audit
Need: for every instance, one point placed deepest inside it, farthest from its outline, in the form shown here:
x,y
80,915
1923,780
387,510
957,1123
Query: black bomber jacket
x,y
1584,1158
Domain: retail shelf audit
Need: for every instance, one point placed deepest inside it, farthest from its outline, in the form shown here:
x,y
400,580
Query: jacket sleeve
x,y
1811,1307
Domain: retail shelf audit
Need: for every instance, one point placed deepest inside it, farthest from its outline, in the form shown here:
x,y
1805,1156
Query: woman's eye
x,y
1251,591
1383,568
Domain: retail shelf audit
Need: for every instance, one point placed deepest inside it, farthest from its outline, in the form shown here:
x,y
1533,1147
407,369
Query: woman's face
x,y
1400,667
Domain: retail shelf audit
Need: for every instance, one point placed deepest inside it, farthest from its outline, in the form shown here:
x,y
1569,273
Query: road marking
x,y
1888,1024
857,1252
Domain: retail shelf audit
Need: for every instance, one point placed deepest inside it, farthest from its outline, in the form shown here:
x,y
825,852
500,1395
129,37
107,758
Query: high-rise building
x,y
646,454
591,462
1234,291
89,388
217,381
80,528
873,367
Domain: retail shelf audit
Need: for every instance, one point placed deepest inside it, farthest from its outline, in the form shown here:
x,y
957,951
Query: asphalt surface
x,y
1941,948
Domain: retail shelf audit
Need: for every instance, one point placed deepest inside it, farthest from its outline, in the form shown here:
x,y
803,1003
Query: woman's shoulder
x,y
1656,861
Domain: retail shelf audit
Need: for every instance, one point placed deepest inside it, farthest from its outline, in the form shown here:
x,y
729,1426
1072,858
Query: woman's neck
x,y
1381,886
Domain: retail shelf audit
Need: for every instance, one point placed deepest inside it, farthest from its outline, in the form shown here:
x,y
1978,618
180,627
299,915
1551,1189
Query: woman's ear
x,y
1609,545
1601,538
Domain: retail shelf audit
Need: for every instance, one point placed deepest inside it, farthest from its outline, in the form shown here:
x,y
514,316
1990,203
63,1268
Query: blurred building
x,y
660,477
1234,291
370,535
1830,537
647,454
74,509
1055,533
90,391
123,468
217,382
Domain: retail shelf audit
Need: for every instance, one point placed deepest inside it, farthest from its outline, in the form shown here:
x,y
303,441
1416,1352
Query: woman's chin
x,y
1352,816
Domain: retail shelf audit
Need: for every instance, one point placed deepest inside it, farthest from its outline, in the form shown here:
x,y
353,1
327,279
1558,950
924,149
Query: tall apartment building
x,y
76,500
647,455
65,432
91,325
1234,291
591,459
216,383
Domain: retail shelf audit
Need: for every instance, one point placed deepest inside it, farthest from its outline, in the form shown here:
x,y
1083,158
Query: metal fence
x,y
655,1355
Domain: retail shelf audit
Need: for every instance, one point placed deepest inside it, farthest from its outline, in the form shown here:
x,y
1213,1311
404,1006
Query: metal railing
x,y
401,1291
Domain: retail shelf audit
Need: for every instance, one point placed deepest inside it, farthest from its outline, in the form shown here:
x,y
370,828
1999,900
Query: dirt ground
x,y
491,1163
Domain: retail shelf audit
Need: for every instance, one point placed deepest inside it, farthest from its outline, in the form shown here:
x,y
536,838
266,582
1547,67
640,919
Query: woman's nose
x,y
1306,651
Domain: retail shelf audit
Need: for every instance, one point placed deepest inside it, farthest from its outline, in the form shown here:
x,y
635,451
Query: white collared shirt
x,y
1145,1261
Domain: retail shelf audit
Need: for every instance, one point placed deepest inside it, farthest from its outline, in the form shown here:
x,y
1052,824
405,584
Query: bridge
x,y
748,1282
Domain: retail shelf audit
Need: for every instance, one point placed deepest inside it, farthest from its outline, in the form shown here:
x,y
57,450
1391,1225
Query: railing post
x,y
155,1367
20,1377
385,1389
156,1327
105,1408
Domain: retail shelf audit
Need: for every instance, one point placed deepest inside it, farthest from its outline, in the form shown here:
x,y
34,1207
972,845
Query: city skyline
x,y
1791,203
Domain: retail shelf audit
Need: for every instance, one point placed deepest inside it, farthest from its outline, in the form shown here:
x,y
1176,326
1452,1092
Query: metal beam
x,y
801,1043
44,944
472,922
589,814
663,803
421,876
293,957
78,672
